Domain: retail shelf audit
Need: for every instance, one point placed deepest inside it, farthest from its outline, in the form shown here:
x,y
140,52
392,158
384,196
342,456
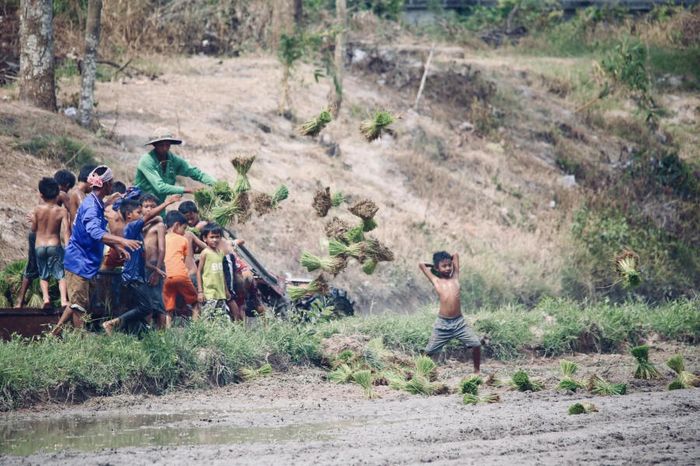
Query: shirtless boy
x,y
443,273
49,220
154,255
79,191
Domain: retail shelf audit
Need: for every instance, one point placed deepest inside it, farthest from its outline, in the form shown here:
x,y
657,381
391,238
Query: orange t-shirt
x,y
175,253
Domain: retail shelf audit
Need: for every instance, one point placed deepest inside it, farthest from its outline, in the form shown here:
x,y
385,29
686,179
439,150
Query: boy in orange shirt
x,y
177,281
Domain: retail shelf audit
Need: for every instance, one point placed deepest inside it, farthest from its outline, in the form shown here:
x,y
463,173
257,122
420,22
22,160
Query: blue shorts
x,y
30,271
49,261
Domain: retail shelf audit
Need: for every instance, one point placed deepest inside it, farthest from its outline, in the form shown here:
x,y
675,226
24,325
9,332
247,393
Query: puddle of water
x,y
84,433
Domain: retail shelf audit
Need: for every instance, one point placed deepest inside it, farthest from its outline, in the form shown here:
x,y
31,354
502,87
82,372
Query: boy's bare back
x,y
47,221
447,286
150,240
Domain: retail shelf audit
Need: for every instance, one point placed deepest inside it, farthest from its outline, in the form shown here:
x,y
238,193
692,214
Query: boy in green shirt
x,y
211,284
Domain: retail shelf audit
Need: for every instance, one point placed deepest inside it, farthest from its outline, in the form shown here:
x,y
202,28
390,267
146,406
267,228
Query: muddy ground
x,y
299,418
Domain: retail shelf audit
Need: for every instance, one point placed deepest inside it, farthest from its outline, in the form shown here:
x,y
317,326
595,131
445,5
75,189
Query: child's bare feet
x,y
47,305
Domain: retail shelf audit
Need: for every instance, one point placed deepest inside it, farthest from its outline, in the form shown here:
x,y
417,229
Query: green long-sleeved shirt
x,y
151,178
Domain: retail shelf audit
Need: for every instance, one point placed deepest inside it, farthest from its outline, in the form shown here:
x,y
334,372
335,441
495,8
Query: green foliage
x,y
600,386
522,382
508,330
388,9
582,408
61,149
625,64
470,385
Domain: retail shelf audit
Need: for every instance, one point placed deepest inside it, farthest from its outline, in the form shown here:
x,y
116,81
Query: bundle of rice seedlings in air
x,y
523,383
280,194
373,127
369,265
375,354
337,199
684,379
342,374
567,382
262,203
419,385
355,235
221,191
365,209
248,374
245,213
426,367
322,202
582,408
242,165
626,264
364,379
600,386
205,199
336,228
336,248
645,369
369,224
314,126
317,286
225,213
470,385
377,251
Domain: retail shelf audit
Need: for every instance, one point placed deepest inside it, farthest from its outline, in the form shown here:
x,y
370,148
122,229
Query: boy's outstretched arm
x,y
455,264
65,226
158,209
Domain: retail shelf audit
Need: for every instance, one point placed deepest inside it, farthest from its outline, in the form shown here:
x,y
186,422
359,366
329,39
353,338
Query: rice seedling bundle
x,y
626,264
280,194
4,302
521,381
600,386
327,264
242,165
369,265
322,202
355,235
314,126
426,367
396,381
377,251
369,224
470,384
12,276
225,213
342,374
317,286
35,300
567,382
472,399
336,228
244,204
684,379
582,408
645,369
492,380
262,203
373,127
221,191
419,385
336,248
248,374
365,209
204,198
364,379
337,199
375,354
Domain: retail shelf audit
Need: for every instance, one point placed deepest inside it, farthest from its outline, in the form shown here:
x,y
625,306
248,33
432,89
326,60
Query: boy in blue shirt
x,y
134,273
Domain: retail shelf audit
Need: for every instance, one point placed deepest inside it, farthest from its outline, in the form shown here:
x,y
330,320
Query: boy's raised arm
x,y
158,209
426,269
455,264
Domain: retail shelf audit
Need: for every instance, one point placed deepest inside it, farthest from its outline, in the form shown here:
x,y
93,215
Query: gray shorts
x,y
156,295
49,261
445,330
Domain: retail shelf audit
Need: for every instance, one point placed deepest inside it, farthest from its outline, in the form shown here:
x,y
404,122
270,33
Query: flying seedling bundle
x,y
242,164
317,286
627,265
373,127
314,126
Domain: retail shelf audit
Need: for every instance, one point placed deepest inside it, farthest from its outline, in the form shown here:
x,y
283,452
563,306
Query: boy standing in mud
x,y
49,220
443,273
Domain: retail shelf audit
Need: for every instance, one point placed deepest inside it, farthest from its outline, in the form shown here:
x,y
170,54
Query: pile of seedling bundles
x,y
225,204
346,243
371,128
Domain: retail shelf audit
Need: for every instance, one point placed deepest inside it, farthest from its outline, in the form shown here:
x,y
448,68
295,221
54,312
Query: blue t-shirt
x,y
84,251
134,268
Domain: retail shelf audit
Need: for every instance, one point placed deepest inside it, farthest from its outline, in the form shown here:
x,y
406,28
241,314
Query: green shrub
x,y
62,149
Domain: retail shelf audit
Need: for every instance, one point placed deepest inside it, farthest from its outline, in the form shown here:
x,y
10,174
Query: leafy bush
x,y
62,149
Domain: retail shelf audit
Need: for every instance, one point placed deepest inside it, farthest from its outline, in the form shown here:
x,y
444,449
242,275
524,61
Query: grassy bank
x,y
207,353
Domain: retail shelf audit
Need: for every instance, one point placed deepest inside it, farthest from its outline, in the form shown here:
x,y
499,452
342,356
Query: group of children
x,y
154,251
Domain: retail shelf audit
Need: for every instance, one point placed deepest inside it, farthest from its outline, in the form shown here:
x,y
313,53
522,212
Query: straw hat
x,y
162,135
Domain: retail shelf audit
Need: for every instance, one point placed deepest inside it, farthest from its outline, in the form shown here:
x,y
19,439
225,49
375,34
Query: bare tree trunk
x,y
282,20
335,96
89,68
36,67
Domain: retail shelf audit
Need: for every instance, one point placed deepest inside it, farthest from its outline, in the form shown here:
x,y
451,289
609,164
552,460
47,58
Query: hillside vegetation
x,y
540,160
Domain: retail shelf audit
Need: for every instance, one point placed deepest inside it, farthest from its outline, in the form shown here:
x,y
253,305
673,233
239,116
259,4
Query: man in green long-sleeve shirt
x,y
158,168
